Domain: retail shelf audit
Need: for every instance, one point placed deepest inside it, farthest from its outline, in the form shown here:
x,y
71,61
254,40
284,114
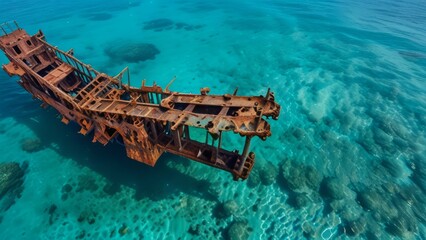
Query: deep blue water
x,y
347,158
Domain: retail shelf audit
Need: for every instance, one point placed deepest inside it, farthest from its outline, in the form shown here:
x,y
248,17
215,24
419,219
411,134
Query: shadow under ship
x,y
147,120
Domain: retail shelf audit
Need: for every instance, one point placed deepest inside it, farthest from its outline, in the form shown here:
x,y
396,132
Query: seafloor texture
x,y
346,160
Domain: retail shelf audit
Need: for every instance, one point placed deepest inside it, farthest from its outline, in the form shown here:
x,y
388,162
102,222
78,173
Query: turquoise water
x,y
347,158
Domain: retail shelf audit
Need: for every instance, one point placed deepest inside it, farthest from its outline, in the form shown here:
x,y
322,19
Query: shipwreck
x,y
148,120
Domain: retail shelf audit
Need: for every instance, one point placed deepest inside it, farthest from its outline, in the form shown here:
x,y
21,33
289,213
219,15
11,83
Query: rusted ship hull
x,y
148,120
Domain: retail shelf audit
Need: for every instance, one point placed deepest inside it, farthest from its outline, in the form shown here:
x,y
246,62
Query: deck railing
x,y
8,27
85,71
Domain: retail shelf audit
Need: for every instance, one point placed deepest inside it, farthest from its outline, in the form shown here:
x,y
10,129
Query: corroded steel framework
x,y
148,120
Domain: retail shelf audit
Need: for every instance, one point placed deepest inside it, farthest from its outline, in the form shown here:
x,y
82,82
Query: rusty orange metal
x,y
148,120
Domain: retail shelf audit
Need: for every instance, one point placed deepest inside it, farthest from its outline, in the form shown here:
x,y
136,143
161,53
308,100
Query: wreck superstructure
x,y
148,120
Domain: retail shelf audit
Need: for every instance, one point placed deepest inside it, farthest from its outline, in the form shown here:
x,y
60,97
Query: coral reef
x,y
268,173
51,211
31,145
355,227
225,209
86,182
296,176
238,230
127,52
123,230
419,169
66,191
254,179
393,167
334,188
11,178
99,16
301,200
188,27
88,216
158,24
394,207
11,184
163,24
348,209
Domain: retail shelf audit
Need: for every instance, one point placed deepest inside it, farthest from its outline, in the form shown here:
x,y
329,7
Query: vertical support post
x,y
207,137
176,138
267,93
245,152
181,132
17,26
128,77
235,92
220,140
154,131
187,137
4,31
219,144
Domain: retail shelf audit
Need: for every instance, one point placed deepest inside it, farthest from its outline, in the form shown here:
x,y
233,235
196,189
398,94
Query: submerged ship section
x,y
148,120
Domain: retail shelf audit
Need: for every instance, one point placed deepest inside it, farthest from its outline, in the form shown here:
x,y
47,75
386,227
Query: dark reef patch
x,y
87,216
86,182
334,188
131,52
11,178
66,190
268,173
225,209
419,173
158,24
52,213
188,27
111,188
398,208
31,145
411,54
356,227
254,179
11,184
98,16
163,24
299,200
295,176
238,230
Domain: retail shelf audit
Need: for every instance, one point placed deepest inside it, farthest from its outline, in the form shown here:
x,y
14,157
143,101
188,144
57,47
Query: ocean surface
x,y
347,158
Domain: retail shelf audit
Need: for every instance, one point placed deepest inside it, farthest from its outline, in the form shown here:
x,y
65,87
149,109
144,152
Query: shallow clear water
x,y
347,158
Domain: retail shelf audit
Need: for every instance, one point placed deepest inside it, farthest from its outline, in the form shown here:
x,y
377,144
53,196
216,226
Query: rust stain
x,y
148,120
